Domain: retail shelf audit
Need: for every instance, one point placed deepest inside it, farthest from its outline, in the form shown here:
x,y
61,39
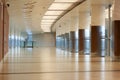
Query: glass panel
x,y
87,46
29,44
60,6
53,12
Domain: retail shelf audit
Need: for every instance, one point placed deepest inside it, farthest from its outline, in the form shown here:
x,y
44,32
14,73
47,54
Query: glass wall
x,y
108,28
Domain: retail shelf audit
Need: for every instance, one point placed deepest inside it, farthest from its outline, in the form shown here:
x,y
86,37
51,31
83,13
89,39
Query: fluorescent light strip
x,y
54,12
59,6
66,0
50,17
47,21
46,24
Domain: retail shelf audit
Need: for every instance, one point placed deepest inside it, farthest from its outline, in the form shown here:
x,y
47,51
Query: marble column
x,y
73,43
67,30
68,33
84,24
58,36
63,35
97,28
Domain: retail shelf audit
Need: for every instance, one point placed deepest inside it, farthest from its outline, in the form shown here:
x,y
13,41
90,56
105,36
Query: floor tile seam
x,y
62,62
62,72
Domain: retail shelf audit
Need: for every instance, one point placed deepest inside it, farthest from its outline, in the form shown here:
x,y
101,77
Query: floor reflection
x,y
49,63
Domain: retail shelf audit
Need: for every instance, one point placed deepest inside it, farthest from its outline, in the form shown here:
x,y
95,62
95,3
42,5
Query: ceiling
x,y
57,10
27,14
83,7
36,16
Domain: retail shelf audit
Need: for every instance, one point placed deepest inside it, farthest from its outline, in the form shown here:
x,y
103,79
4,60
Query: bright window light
x,y
50,17
53,12
59,6
67,0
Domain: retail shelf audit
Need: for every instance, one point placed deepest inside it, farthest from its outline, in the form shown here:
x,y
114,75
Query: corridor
x,y
49,63
59,39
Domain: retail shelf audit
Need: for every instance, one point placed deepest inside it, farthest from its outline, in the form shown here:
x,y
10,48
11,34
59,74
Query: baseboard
x,y
2,61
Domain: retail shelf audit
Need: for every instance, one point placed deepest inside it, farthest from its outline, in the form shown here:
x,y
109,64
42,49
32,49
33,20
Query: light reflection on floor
x,y
49,63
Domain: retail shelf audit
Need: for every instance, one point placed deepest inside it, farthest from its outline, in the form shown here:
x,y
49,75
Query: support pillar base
x,y
116,58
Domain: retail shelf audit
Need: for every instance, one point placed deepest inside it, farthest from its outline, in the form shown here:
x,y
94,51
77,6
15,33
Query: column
x,y
84,24
61,41
97,28
116,31
73,44
63,35
67,35
57,36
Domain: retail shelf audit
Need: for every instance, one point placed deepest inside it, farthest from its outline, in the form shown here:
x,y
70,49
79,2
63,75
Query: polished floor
x,y
53,64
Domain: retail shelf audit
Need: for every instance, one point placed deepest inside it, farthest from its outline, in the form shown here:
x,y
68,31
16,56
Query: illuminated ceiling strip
x,y
72,7
67,0
60,5
54,12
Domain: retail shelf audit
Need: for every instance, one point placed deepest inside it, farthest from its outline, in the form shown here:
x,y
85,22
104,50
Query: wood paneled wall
x,y
73,43
81,39
116,32
94,38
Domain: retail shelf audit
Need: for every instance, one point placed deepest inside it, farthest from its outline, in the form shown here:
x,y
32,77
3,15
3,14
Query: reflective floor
x,y
54,64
